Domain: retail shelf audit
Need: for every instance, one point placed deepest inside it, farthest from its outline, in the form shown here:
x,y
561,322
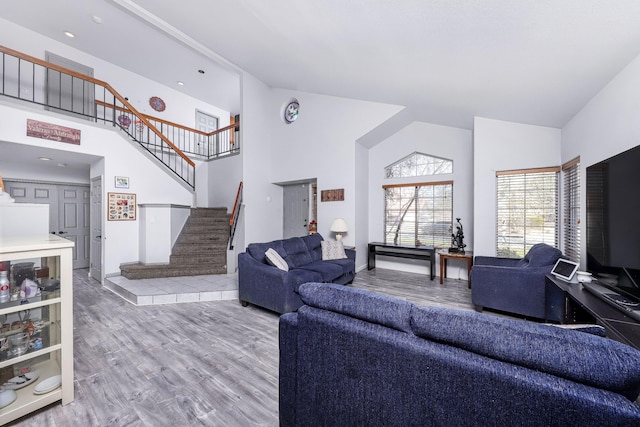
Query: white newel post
x,y
160,226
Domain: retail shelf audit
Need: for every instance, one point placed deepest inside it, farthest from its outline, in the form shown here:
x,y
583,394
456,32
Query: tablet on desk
x,y
565,269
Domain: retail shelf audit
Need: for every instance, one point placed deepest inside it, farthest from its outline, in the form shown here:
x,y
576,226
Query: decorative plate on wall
x,y
291,111
157,103
124,120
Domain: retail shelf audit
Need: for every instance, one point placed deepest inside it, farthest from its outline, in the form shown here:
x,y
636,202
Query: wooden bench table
x,y
427,253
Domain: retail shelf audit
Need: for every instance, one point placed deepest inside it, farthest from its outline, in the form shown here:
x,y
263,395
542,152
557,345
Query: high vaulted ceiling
x,y
529,61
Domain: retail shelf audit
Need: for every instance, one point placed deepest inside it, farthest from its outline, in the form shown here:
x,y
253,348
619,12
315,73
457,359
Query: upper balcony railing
x,y
206,145
29,79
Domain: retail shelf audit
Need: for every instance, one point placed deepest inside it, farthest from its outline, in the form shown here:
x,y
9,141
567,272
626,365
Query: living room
x,y
345,143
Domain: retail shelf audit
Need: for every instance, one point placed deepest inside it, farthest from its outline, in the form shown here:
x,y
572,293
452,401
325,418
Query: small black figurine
x,y
457,244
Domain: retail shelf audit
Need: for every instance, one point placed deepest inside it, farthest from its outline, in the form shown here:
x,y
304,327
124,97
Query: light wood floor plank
x,y
191,364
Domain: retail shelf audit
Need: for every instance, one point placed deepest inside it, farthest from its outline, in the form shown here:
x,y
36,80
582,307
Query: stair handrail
x,y
116,95
235,214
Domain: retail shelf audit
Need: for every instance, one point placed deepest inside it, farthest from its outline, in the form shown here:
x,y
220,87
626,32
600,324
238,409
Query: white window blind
x,y
419,214
527,210
571,209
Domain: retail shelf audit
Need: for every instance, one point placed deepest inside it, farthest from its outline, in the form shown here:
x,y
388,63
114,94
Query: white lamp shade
x,y
339,226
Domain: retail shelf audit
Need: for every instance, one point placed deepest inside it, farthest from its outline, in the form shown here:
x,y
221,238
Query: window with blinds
x,y
571,209
527,210
419,214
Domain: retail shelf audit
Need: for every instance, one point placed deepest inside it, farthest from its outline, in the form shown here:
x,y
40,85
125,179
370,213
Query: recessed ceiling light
x,y
96,19
180,83
46,159
69,34
62,165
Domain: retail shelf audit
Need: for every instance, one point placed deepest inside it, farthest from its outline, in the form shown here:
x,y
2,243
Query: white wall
x,y
440,141
609,124
180,108
150,183
361,205
225,175
319,145
498,146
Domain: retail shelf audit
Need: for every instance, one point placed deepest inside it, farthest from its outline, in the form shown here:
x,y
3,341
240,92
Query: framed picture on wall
x,y
121,207
122,182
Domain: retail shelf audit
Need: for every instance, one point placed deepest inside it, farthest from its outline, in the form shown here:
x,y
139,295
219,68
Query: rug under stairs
x,y
201,248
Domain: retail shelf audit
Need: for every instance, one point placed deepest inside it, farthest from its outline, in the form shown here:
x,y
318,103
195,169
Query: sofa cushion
x,y
327,270
258,250
359,303
297,253
347,265
332,250
274,259
314,242
577,356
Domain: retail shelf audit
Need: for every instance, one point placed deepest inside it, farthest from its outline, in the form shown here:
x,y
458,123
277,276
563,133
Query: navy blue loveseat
x,y
264,285
350,357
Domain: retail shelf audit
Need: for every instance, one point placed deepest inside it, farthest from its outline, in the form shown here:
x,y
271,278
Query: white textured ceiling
x,y
529,61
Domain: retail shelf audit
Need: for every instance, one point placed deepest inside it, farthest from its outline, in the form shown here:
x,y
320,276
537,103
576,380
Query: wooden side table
x,y
445,255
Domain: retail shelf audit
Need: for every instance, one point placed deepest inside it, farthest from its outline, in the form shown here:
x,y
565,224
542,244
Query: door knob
x,y
61,232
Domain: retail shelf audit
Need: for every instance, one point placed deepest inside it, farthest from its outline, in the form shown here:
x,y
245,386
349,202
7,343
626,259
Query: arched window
x,y
419,164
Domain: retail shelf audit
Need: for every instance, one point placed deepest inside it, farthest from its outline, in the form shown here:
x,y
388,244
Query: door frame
x,y
99,216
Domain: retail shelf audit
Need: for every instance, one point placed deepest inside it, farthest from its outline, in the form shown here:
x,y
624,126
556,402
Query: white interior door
x,y
206,123
295,210
95,269
74,220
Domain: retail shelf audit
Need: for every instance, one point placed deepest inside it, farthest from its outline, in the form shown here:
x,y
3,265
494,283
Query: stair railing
x,y
235,215
208,145
29,79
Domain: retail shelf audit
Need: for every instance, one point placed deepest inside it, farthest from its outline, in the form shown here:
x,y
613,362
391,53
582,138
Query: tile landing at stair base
x,y
172,290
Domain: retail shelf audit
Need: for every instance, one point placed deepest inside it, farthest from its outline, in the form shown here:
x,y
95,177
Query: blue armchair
x,y
514,285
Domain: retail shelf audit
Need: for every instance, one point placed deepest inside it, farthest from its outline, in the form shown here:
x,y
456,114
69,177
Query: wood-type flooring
x,y
191,364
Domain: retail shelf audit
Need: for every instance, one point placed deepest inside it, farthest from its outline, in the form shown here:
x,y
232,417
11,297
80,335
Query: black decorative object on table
x,y
457,240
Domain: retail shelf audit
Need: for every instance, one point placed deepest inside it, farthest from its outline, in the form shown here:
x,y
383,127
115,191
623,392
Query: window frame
x,y
504,205
434,237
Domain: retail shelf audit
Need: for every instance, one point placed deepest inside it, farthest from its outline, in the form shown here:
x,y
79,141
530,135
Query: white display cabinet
x,y
45,319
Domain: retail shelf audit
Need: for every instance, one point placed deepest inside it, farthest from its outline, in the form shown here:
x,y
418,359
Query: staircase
x,y
200,249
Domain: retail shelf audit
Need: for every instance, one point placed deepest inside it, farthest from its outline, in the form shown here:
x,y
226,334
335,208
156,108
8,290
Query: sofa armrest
x,y
351,254
252,271
288,363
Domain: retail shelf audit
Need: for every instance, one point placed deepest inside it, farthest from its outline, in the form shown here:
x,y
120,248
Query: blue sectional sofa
x,y
350,357
264,285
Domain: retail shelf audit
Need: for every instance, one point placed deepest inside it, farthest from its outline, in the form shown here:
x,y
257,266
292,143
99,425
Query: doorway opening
x,y
300,211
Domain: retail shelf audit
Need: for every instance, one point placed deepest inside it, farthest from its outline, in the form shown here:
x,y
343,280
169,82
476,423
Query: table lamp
x,y
339,226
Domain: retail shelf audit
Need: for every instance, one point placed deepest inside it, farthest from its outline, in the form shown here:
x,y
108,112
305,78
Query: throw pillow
x,y
332,250
276,260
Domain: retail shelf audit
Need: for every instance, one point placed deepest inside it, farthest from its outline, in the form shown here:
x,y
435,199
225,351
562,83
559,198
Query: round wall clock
x,y
291,111
157,103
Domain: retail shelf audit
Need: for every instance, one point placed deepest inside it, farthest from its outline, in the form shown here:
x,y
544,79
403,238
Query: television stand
x,y
573,303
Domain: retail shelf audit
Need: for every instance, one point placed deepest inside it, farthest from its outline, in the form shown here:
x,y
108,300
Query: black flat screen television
x,y
613,222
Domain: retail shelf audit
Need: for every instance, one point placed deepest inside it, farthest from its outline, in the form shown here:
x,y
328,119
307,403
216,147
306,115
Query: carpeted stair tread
x,y
142,271
200,249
